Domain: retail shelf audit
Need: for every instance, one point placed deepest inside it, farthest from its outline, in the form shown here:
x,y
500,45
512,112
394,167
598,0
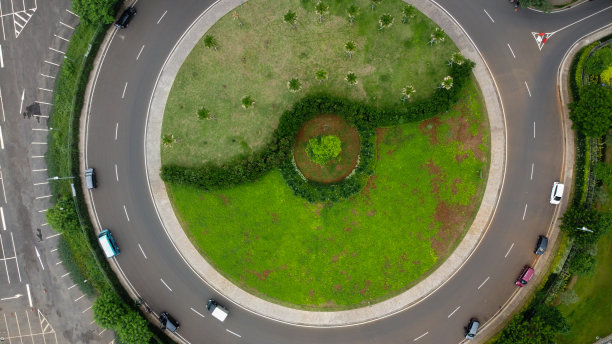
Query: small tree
x,y
291,18
582,263
247,102
321,8
94,12
321,75
353,11
385,21
204,113
322,149
373,3
351,78
168,140
133,329
437,36
108,310
350,47
447,83
408,12
457,59
407,92
294,85
210,42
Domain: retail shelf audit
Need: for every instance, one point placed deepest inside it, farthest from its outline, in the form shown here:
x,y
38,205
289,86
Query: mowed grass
x,y
260,56
350,253
591,315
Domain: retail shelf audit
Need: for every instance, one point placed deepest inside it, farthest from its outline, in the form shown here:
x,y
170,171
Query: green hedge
x,y
278,151
582,55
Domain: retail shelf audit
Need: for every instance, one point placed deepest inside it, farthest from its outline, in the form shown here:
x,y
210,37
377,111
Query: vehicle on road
x,y
525,276
90,178
125,18
217,310
471,329
108,244
168,322
541,245
556,193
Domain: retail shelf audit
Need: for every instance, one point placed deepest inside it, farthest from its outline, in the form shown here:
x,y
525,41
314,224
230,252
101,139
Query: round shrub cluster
x,y
322,149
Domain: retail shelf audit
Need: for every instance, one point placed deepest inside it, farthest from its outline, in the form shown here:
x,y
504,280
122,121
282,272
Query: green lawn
x,y
260,56
591,316
424,193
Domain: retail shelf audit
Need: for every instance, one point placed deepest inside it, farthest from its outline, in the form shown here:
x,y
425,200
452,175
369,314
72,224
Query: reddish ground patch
x,y
338,168
429,128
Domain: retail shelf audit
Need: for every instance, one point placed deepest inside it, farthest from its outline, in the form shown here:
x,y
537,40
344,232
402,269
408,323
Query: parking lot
x,y
27,326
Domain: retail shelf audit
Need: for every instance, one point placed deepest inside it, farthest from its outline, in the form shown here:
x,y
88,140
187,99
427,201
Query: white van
x,y
216,310
108,244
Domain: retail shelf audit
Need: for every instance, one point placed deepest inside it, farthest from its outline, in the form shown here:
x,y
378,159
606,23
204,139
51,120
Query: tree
x,y
522,330
385,21
582,263
291,18
95,11
321,8
352,11
599,61
407,92
437,36
168,140
247,102
108,310
457,59
210,42
408,12
447,83
351,78
62,216
133,329
592,113
204,113
321,75
373,3
322,149
294,85
350,47
603,172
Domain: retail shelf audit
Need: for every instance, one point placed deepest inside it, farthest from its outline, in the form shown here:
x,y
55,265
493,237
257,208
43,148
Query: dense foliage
x,y
592,113
322,149
95,12
278,151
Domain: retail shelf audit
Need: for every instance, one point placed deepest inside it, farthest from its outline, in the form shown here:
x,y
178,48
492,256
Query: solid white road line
x,y
1,58
421,336
141,250
21,106
2,106
162,17
488,15
528,91
124,88
116,130
116,173
234,333
485,281
140,52
524,211
198,313
126,214
507,253
39,259
531,178
3,222
453,312
3,258
165,284
1,139
534,129
29,295
511,51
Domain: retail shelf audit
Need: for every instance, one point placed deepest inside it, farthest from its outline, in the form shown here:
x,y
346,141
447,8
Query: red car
x,y
525,276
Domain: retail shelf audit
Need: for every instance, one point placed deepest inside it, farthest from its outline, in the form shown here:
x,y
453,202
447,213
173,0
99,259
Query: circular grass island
x,y
372,102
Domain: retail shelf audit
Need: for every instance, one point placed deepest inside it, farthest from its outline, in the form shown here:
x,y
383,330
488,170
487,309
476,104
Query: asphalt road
x,y
526,78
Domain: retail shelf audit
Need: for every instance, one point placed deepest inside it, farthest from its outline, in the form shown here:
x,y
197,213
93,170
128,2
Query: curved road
x,y
526,78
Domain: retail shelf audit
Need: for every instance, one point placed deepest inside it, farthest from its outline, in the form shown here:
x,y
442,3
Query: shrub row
x,y
313,191
581,57
278,151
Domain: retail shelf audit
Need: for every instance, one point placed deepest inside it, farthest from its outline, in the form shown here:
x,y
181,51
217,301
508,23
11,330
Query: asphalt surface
x,y
526,78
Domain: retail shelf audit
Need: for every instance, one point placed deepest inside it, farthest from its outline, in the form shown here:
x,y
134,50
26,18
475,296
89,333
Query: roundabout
x,y
451,303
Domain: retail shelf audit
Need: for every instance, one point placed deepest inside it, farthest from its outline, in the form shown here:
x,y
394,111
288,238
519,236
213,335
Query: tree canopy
x,y
95,11
592,114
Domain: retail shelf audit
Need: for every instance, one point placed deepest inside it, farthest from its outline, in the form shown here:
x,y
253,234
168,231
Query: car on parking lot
x,y
525,276
168,322
125,18
472,329
541,245
556,193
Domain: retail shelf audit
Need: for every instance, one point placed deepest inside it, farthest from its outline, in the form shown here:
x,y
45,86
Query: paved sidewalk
x,y
323,319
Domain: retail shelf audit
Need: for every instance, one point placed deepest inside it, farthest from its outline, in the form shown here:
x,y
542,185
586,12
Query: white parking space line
x,y
29,298
141,250
140,52
528,91
72,286
37,156
47,76
40,102
485,281
165,284
66,25
16,260
534,129
40,129
453,312
507,253
78,298
1,139
524,211
43,183
57,51
1,58
21,106
3,190
53,236
86,309
116,173
74,14
4,259
124,88
234,333
40,170
3,222
39,259
2,20
58,263
51,63
116,130
99,334
126,214
2,106
43,210
421,336
531,178
53,250
162,17
488,15
44,89
196,312
60,37
509,47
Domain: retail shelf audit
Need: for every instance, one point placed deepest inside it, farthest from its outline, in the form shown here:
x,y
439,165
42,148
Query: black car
x,y
125,18
168,322
541,245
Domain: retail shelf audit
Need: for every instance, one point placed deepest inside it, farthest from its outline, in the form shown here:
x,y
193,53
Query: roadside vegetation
x,y
572,303
78,247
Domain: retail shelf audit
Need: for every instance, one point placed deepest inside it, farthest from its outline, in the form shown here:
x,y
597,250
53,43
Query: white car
x,y
556,193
